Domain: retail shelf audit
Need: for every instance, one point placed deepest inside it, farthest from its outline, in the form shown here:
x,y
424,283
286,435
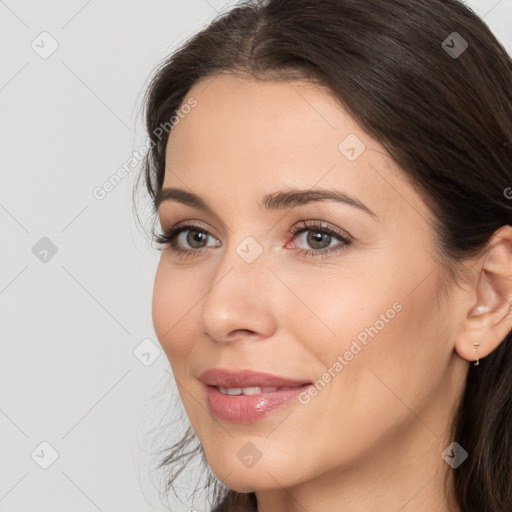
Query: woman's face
x,y
349,304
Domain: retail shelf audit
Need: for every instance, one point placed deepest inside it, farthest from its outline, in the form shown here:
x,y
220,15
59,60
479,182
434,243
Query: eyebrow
x,y
279,200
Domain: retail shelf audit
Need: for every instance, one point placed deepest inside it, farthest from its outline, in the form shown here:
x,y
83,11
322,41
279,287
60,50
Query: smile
x,y
255,390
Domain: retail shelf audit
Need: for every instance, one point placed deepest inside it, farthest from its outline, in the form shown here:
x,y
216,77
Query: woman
x,y
332,181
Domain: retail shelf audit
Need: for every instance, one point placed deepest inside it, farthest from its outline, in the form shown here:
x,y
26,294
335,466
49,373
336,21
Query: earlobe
x,y
489,319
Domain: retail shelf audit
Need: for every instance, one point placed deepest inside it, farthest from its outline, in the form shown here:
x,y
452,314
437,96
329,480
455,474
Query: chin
x,y
263,475
250,483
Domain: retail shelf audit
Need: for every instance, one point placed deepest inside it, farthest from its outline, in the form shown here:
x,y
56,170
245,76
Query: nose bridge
x,y
238,299
244,258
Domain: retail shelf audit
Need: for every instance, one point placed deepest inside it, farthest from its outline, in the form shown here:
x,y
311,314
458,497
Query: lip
x,y
247,408
246,378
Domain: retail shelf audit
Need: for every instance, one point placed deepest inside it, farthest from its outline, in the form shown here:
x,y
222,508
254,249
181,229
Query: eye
x,y
319,239
187,239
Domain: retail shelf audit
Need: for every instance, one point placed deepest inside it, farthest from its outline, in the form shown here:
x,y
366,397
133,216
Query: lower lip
x,y
249,408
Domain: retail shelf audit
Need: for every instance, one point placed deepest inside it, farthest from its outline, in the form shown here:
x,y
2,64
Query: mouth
x,y
252,390
246,396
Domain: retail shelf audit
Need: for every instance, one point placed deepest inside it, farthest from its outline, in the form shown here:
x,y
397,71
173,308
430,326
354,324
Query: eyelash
x,y
168,237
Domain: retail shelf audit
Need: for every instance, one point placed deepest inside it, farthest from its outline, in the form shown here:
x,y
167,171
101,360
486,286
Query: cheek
x,y
171,306
329,309
376,366
371,333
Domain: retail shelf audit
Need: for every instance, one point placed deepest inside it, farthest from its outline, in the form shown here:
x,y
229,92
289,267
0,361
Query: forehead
x,y
264,114
255,136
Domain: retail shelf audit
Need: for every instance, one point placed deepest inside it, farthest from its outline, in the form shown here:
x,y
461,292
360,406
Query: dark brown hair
x,y
446,119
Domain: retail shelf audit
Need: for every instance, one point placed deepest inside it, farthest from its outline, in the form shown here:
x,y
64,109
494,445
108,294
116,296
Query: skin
x,y
372,438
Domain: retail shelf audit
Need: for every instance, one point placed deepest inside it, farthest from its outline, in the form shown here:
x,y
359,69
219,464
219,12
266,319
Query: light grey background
x,y
70,324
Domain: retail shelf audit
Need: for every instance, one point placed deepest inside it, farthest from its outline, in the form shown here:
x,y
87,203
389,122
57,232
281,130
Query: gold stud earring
x,y
476,345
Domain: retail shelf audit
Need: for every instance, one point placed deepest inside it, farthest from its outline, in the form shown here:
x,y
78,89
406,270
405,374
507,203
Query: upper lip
x,y
246,378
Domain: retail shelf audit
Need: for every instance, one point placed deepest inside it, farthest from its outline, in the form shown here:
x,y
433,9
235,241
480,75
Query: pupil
x,y
315,239
196,237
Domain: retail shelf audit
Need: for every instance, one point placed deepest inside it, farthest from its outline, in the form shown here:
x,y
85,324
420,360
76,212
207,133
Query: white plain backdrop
x,y
80,364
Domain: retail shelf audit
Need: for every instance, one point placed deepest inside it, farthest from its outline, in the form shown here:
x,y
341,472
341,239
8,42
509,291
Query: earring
x,y
476,345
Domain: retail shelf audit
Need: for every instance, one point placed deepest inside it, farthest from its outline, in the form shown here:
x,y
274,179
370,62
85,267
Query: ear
x,y
489,318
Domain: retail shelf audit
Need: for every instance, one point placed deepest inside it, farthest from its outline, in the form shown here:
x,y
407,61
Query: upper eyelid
x,y
321,225
315,223
297,229
192,224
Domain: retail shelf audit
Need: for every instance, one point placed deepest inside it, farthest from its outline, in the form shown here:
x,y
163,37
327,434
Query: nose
x,y
239,303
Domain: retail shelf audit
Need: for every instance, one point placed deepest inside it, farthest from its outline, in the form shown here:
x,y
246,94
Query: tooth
x,y
230,391
251,391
